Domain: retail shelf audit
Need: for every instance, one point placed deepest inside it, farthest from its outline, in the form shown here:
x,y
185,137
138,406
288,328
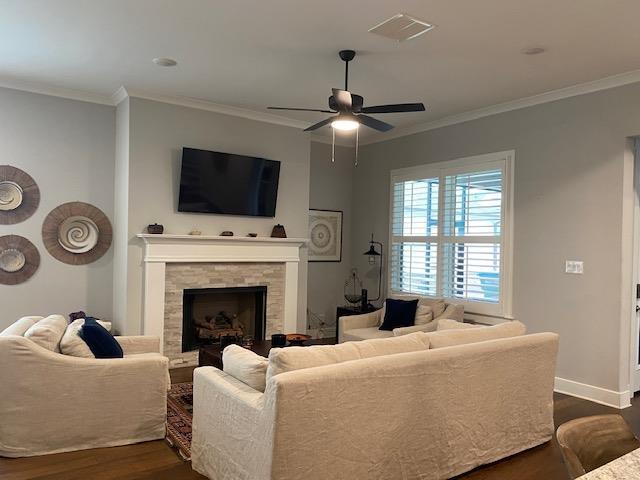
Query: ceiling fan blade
x,y
343,100
301,109
316,126
374,123
394,108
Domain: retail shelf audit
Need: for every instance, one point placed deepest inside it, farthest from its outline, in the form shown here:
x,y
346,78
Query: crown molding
x,y
212,107
54,91
551,96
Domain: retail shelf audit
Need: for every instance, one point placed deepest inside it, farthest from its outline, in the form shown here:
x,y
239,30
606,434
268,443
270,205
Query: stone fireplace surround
x,y
173,263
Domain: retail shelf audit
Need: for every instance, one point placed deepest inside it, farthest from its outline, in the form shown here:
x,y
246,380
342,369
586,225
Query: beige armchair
x,y
366,326
54,403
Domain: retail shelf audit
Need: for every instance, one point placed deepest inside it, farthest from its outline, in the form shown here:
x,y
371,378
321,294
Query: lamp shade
x,y
372,251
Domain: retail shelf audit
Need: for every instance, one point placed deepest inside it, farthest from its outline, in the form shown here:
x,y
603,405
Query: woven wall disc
x,y
19,259
77,233
19,195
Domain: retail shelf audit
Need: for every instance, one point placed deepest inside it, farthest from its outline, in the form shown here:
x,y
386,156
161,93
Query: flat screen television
x,y
228,184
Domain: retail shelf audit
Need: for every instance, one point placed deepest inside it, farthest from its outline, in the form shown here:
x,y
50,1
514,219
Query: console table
x,y
211,355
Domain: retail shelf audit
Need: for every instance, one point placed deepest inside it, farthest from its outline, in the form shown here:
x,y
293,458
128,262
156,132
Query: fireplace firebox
x,y
210,313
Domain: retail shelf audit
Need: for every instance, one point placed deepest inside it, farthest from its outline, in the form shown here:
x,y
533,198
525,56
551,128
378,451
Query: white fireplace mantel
x,y
162,249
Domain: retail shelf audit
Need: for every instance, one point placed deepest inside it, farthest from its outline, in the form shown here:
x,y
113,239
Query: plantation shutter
x,y
447,234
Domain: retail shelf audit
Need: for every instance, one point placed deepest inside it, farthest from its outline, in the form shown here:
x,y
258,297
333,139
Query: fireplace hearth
x,y
210,313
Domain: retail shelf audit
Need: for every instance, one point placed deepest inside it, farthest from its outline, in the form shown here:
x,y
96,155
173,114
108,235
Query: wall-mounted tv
x,y
228,184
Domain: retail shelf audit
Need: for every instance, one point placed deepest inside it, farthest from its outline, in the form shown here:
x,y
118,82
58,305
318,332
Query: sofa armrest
x,y
133,345
230,426
365,320
427,327
454,312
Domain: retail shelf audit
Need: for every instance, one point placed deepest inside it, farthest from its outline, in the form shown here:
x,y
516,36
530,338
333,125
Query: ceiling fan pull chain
x,y
357,142
333,146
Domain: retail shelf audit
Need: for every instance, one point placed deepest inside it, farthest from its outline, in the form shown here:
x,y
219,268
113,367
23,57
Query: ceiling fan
x,y
349,108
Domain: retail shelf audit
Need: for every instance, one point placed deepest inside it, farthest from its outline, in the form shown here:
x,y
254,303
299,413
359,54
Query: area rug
x,y
179,418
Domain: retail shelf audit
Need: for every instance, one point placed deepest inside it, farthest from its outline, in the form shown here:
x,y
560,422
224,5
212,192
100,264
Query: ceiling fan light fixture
x,y
345,124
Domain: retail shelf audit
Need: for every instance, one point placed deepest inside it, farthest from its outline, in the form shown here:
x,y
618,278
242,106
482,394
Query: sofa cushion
x,y
48,332
295,358
449,324
71,342
19,327
437,305
448,338
424,314
246,366
367,333
99,340
399,313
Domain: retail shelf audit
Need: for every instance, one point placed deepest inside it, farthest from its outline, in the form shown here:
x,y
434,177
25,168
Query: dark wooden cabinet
x,y
347,310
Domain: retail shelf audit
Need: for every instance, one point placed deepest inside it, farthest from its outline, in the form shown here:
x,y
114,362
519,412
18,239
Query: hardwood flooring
x,y
157,461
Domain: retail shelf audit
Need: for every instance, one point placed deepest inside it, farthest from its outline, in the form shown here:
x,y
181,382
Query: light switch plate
x,y
575,267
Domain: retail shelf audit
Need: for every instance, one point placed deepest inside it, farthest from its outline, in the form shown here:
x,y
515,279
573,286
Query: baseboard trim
x,y
603,396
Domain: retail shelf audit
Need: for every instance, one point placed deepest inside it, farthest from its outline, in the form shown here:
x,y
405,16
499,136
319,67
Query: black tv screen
x,y
228,184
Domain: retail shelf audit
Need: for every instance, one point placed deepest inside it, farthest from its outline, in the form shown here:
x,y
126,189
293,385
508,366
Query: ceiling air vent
x,y
401,27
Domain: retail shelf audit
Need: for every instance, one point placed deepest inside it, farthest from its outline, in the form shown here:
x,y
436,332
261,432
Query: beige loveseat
x,y
367,325
54,403
427,414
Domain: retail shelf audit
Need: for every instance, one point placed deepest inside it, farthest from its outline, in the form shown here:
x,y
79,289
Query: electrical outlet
x,y
575,267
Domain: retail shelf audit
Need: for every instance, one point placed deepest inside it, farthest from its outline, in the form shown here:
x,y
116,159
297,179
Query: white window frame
x,y
483,311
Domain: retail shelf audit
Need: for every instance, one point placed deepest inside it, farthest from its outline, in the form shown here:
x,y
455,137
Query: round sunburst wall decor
x,y
19,259
19,195
77,233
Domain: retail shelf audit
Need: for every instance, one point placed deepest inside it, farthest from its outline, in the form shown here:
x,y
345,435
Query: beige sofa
x,y
54,403
427,414
366,326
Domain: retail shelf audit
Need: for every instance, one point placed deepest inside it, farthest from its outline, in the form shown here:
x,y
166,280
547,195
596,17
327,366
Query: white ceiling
x,y
256,53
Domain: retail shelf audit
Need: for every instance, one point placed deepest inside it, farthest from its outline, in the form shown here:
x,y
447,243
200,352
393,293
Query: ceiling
x,y
256,53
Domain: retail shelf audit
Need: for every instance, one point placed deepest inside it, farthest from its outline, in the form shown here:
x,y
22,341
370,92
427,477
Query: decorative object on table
x,y
227,233
19,259
155,229
278,340
325,234
353,288
77,233
278,231
297,339
374,255
247,341
19,195
195,232
364,300
252,235
73,316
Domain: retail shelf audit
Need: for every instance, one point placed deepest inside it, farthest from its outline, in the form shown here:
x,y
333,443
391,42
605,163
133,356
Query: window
x,y
451,232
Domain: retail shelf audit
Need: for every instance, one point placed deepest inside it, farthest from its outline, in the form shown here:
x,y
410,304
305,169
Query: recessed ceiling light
x,y
533,50
165,62
401,27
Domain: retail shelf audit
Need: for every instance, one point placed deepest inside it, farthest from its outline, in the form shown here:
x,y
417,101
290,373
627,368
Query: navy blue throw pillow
x,y
100,341
399,313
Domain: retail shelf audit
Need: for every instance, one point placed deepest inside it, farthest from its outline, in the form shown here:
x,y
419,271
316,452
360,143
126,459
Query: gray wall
x,y
157,133
568,205
330,189
67,146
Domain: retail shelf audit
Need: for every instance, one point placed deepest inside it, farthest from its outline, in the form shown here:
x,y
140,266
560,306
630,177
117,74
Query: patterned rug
x,y
179,417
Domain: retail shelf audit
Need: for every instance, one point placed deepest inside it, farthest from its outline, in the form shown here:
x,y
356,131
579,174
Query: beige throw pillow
x,y
246,366
437,305
72,344
48,332
295,358
19,327
448,338
424,314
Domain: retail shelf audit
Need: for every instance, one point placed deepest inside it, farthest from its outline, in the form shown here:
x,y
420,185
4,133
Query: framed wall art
x,y
325,235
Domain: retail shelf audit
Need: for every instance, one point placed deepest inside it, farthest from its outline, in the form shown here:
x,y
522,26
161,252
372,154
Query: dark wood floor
x,y
157,461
